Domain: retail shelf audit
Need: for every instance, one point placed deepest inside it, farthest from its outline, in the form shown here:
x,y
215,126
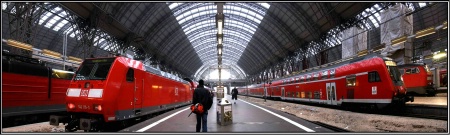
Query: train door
x,y
270,92
138,87
282,92
265,92
350,85
331,93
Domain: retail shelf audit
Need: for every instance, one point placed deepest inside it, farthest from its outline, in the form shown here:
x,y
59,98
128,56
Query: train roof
x,y
149,69
411,65
7,56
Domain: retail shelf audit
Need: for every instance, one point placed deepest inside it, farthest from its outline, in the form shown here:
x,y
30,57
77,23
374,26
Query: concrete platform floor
x,y
247,118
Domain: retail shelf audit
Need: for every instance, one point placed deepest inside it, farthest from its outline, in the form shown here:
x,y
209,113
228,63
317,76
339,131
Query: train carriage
x,y
418,78
31,90
105,90
372,80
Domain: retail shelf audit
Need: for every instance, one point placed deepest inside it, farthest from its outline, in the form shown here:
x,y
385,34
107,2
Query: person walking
x,y
234,94
203,96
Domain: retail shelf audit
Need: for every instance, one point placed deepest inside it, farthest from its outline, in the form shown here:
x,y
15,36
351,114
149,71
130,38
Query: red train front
x,y
418,78
116,89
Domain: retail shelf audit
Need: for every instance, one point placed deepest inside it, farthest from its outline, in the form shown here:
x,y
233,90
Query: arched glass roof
x,y
198,22
255,38
57,19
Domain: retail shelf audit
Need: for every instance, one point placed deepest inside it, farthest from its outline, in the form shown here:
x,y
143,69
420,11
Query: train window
x,y
316,95
27,69
297,80
374,77
415,70
302,78
316,76
130,75
402,71
308,77
408,71
324,74
97,69
61,74
332,72
351,80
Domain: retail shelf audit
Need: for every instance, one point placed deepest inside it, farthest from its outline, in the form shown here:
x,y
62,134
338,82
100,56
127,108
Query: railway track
x,y
426,112
334,128
415,111
331,127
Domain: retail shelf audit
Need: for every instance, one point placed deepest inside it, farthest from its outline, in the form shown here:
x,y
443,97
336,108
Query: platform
x,y
440,100
247,118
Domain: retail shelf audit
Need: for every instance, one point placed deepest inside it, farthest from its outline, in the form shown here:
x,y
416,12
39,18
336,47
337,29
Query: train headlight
x,y
96,93
97,107
71,106
73,92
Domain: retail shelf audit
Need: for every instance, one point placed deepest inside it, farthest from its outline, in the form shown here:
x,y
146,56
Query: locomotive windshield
x,y
394,72
94,69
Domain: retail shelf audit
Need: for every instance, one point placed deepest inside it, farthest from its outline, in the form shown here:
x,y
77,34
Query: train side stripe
x,y
340,101
331,79
284,118
161,120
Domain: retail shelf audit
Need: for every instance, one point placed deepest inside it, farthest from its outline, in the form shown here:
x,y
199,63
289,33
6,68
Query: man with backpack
x,y
202,96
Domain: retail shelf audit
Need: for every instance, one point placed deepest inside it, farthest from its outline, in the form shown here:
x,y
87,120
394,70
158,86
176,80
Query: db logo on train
x,y
84,93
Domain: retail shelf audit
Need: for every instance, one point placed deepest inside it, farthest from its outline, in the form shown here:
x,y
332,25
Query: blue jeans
x,y
202,122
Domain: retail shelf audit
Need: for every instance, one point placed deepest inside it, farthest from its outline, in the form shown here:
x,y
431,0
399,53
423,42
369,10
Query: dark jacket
x,y
234,91
203,96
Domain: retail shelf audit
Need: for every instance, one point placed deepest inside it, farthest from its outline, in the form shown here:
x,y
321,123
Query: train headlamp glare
x,y
71,106
97,107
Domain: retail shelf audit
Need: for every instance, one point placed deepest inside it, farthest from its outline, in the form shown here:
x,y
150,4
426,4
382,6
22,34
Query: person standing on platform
x,y
203,96
234,94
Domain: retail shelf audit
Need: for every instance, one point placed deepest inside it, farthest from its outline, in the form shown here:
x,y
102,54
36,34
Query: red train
x,y
369,80
31,90
105,90
443,77
418,78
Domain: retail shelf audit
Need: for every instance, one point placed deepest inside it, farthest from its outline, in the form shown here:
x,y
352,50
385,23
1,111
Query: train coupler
x,y
55,120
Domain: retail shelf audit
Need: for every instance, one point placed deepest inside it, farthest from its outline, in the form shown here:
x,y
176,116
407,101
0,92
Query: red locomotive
x,y
370,80
105,90
31,90
418,78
